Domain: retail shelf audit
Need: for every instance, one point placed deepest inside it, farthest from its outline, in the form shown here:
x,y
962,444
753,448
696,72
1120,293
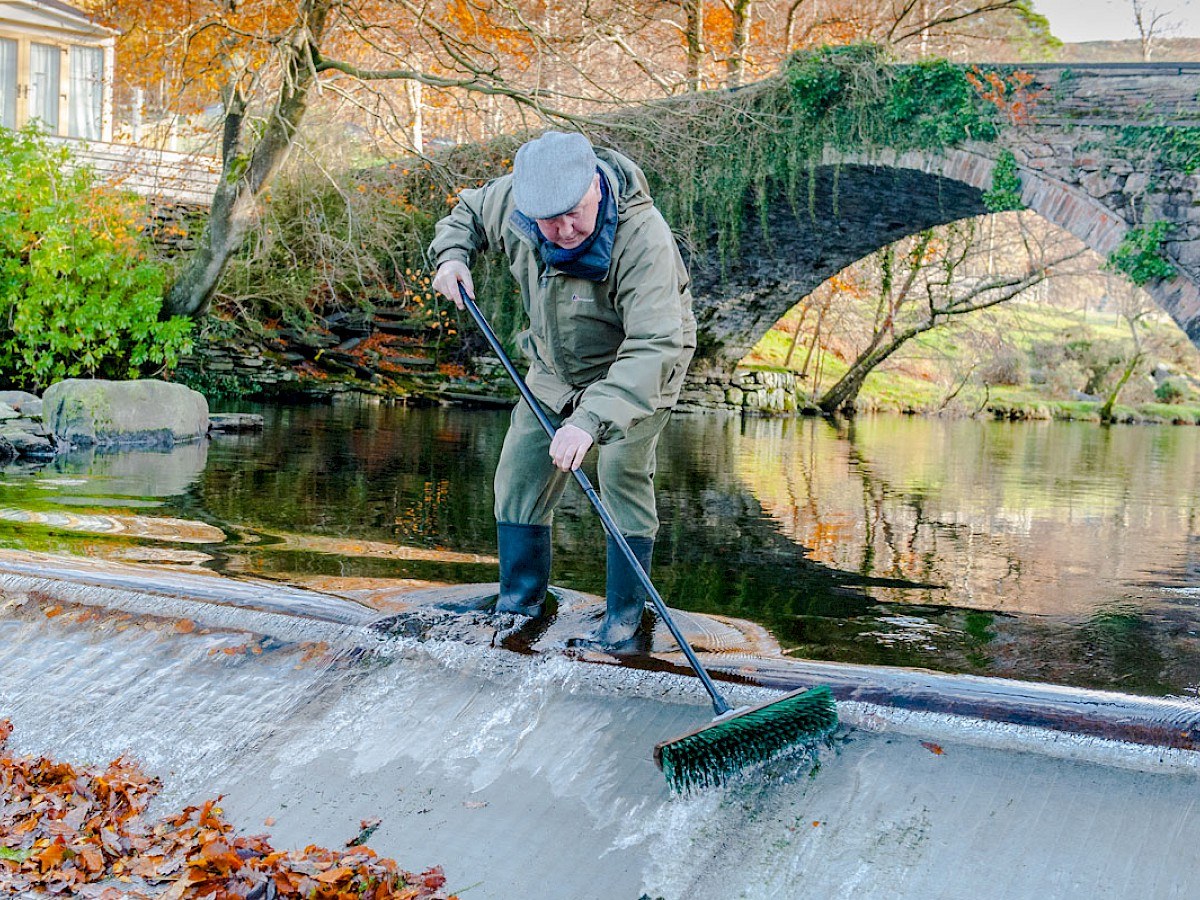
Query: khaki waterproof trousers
x,y
529,486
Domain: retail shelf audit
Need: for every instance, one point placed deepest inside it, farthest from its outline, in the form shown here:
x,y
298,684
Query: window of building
x,y
44,64
8,83
87,92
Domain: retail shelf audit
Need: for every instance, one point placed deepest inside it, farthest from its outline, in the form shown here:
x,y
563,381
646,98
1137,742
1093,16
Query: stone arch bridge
x,y
1081,164
1079,160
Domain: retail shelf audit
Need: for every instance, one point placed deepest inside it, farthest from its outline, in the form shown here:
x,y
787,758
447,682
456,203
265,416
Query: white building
x,y
56,68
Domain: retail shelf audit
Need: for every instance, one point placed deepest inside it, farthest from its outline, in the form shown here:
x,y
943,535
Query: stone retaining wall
x,y
747,391
225,367
257,369
246,361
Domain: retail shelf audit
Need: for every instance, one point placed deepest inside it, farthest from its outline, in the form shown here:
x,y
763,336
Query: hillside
x,y
1035,359
1165,50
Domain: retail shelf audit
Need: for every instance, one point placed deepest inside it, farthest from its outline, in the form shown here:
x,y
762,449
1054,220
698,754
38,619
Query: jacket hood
x,y
628,182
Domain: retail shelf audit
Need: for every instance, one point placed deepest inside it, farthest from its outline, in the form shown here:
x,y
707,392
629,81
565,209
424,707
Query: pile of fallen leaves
x,y
63,827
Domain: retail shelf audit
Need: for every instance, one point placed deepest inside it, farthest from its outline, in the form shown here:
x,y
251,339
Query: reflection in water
x,y
1033,519
1061,540
152,528
1048,551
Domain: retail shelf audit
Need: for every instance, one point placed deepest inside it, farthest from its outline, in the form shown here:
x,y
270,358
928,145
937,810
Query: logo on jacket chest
x,y
575,298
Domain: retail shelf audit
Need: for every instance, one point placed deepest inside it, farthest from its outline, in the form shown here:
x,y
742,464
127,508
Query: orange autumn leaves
x,y
1010,93
185,52
187,48
63,827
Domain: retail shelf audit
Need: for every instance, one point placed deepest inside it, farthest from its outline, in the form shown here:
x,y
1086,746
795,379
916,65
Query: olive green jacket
x,y
616,350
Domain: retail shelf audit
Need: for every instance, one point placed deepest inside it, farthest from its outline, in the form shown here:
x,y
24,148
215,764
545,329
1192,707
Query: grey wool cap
x,y
552,173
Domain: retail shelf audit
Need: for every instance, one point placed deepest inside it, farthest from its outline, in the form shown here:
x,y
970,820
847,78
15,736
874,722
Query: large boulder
x,y
22,401
146,413
27,444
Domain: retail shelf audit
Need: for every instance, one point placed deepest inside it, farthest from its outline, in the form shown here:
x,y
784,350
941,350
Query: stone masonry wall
x,y
746,391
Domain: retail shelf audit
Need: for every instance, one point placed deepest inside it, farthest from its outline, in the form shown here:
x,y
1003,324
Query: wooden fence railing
x,y
166,175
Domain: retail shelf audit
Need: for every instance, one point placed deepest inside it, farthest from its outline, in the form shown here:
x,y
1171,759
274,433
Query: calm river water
x,y
1048,551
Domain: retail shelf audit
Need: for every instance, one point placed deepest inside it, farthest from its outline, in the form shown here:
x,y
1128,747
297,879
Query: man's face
x,y
573,228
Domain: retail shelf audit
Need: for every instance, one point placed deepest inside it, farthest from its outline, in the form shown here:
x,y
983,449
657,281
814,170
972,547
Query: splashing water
x,y
532,773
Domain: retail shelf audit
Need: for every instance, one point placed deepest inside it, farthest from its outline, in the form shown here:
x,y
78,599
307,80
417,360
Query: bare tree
x,y
282,64
1134,307
934,278
1151,23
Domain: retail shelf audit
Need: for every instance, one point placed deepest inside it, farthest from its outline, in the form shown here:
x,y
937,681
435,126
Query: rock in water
x,y
145,413
235,423
26,444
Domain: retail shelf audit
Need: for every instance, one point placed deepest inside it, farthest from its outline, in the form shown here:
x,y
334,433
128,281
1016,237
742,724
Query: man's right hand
x,y
447,278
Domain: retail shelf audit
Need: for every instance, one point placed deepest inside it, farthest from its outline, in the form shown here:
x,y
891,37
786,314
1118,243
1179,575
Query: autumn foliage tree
x,y
492,64
261,60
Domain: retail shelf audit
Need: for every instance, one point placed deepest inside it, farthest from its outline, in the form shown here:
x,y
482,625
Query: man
x,y
610,336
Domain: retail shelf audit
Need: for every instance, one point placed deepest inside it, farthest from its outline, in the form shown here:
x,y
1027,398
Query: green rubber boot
x,y
625,600
524,568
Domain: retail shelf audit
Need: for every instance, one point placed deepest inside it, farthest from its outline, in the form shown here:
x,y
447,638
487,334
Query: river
x,y
1055,552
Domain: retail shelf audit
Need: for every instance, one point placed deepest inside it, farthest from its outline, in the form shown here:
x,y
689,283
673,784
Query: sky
x,y
1112,20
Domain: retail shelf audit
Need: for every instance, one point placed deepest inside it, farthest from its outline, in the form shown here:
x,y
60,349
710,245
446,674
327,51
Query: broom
x,y
709,755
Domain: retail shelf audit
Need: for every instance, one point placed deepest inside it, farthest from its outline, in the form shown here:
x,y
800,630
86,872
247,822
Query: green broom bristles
x,y
711,755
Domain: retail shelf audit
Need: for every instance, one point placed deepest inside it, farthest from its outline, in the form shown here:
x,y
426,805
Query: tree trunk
x,y
795,337
789,27
816,339
247,171
1106,411
743,11
843,394
416,103
694,36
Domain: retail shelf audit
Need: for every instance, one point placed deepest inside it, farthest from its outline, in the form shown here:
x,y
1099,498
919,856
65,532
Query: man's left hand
x,y
569,447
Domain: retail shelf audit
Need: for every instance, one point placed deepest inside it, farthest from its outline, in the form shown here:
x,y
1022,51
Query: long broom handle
x,y
720,706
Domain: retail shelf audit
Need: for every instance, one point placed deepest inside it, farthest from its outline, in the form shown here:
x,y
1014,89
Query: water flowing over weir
x,y
530,774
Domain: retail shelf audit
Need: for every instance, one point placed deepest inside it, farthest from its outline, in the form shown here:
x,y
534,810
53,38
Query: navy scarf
x,y
591,259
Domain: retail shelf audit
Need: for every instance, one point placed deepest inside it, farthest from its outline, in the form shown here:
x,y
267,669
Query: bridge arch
x,y
865,202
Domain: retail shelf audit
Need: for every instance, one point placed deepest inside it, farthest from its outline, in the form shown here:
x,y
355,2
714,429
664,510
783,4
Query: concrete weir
x,y
530,774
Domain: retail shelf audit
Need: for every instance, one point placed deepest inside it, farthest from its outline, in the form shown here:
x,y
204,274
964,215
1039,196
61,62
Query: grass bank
x,y
1020,361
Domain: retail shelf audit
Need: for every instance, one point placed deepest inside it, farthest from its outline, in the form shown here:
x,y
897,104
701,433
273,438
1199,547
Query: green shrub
x,y
1169,391
215,386
79,294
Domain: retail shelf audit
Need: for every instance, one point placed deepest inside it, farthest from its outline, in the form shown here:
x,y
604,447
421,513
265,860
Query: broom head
x,y
713,753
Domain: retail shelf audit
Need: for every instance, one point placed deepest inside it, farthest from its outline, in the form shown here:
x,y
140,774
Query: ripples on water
x,y
1048,551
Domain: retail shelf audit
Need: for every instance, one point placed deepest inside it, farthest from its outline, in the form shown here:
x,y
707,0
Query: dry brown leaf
x,y
84,825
